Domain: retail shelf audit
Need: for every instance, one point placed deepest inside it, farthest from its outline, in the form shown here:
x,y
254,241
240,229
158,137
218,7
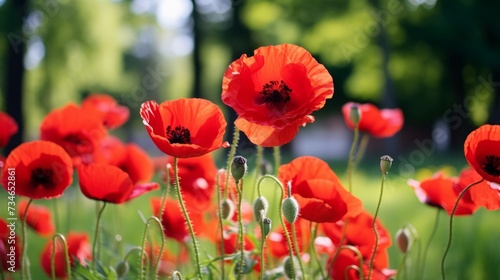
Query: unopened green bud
x,y
260,204
385,164
266,226
290,209
122,269
176,275
239,167
289,265
355,114
404,239
246,267
227,207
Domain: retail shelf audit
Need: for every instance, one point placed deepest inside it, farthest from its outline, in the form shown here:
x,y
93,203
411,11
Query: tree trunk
x,y
196,91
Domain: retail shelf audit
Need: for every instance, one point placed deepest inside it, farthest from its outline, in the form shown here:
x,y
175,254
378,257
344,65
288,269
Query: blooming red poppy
x,y
77,130
43,170
317,189
342,268
482,151
275,91
10,247
109,183
186,127
113,115
78,249
440,191
197,179
39,218
8,127
486,194
378,123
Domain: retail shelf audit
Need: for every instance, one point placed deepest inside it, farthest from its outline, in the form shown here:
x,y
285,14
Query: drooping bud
x,y
227,207
289,267
404,240
239,168
385,164
260,204
122,268
266,226
176,275
290,209
355,115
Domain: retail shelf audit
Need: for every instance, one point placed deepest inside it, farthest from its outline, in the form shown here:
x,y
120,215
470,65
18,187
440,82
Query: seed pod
x,y
176,275
260,204
289,267
266,226
239,167
385,164
122,269
355,114
290,209
227,207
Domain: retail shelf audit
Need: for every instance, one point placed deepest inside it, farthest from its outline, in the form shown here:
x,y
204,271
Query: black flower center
x,y
275,92
178,135
491,165
73,138
42,176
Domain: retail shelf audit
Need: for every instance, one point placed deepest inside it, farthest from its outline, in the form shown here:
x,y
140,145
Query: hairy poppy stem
x,y
66,256
144,238
262,243
350,163
363,143
25,271
297,251
450,235
165,192
186,217
96,235
426,249
240,228
258,168
230,157
374,226
221,224
285,230
360,258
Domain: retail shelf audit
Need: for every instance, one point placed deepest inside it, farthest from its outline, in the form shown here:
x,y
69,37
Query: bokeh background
x,y
437,60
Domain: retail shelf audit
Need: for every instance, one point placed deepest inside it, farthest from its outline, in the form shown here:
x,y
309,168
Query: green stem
x,y
363,143
450,235
240,228
25,272
186,217
285,230
96,235
350,163
277,159
262,242
66,256
56,213
221,224
374,226
258,164
144,238
426,249
230,157
165,192
297,251
313,248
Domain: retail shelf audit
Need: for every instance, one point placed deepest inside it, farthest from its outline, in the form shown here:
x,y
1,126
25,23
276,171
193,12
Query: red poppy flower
x,y
77,130
39,218
359,233
43,170
109,183
197,179
378,123
10,247
277,243
482,151
8,127
113,115
231,245
347,258
275,91
186,127
440,191
78,249
318,190
486,194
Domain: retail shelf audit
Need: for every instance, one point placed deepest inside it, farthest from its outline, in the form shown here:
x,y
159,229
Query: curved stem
x,y
221,224
433,233
96,235
25,272
262,242
186,217
66,256
277,159
360,258
352,266
230,157
240,228
285,230
313,247
450,235
144,238
297,251
350,163
374,226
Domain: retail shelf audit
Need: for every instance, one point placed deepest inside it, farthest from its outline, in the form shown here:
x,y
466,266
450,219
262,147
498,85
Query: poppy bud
x,y
239,168
227,207
122,269
290,209
266,228
260,204
247,265
289,267
404,240
176,275
355,115
385,164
